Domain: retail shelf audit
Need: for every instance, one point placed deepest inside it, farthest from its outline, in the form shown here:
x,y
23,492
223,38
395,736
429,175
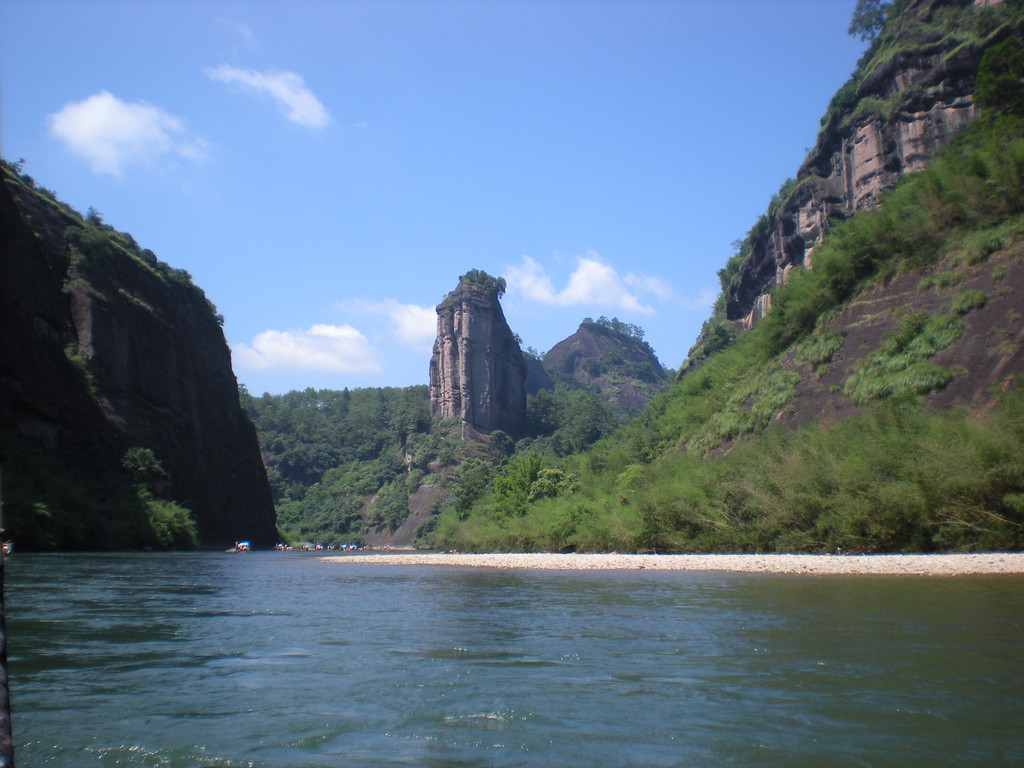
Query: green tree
x,y
868,19
143,465
475,476
492,285
1000,83
512,486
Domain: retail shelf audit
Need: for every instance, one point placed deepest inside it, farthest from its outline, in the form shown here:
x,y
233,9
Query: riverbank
x,y
919,565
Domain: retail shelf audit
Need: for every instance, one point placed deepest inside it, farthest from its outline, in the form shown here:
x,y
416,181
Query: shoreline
x,y
911,564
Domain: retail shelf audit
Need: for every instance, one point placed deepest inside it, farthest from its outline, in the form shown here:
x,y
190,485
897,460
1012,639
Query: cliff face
x,y
477,371
903,108
102,351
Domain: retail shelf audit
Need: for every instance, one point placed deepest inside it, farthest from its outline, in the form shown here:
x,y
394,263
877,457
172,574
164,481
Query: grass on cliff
x,y
98,251
952,27
899,478
688,473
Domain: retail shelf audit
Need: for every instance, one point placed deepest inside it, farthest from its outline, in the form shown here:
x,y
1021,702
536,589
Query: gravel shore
x,y
929,565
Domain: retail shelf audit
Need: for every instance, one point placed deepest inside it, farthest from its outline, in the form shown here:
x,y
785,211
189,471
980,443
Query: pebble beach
x,y
910,564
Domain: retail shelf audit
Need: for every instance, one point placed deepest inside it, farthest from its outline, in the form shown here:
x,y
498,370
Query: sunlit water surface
x,y
279,660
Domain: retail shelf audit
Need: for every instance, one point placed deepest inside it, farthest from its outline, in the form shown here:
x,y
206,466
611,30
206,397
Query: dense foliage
x,y
342,461
898,478
50,503
492,286
567,420
868,19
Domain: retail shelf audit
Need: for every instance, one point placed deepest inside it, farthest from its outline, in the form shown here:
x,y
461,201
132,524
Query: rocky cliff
x,y
477,371
104,349
911,94
611,357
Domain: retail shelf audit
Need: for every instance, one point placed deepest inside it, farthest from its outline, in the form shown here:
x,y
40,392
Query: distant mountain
x,y
612,358
478,372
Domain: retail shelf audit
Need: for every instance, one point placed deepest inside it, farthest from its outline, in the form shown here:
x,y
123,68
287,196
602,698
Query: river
x,y
278,660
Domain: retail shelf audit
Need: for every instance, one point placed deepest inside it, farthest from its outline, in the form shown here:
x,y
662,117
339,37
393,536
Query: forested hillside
x,y
877,404
341,462
354,466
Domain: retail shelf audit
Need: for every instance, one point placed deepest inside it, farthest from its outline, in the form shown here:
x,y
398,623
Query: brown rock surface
x,y
922,97
477,371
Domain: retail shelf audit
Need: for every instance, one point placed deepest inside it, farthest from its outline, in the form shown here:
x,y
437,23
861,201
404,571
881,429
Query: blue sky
x,y
326,170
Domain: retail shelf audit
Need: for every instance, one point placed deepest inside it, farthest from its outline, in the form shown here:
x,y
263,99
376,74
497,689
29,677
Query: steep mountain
x,y
612,358
874,401
119,412
913,90
477,371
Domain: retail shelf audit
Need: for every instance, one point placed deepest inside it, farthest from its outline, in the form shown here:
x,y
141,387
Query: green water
x,y
282,661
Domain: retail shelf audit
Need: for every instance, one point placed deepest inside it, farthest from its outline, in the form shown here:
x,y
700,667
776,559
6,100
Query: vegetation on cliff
x,y
612,353
687,474
119,419
923,59
750,450
479,280
81,500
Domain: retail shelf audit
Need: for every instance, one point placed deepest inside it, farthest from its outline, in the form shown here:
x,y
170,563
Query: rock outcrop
x,y
477,371
104,349
612,358
887,122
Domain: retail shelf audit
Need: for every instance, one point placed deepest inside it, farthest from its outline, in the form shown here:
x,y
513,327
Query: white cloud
x,y
705,299
531,280
321,348
111,134
287,88
592,282
656,286
412,325
244,32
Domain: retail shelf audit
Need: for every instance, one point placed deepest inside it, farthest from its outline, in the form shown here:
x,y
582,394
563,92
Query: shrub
x,y
820,349
171,525
948,278
969,300
899,368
